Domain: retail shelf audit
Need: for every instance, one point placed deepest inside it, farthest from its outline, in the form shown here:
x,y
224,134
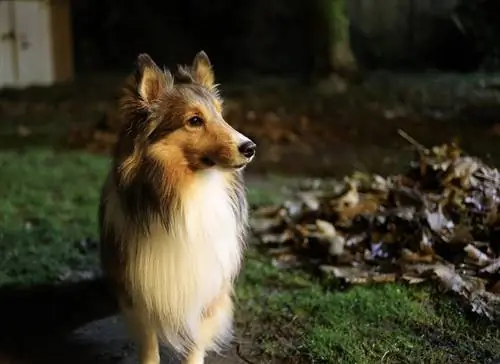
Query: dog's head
x,y
178,116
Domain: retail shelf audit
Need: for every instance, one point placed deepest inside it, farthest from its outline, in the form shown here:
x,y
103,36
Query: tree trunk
x,y
341,56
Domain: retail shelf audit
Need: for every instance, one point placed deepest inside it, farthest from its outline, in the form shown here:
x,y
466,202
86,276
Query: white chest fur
x,y
176,274
208,229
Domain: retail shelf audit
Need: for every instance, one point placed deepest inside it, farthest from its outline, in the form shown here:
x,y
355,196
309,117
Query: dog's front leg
x,y
215,328
144,335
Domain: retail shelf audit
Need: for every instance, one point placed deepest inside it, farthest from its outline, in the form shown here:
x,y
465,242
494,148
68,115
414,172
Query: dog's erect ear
x,y
202,70
151,80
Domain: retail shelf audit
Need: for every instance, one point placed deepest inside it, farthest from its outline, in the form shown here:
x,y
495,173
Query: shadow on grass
x,y
36,320
69,323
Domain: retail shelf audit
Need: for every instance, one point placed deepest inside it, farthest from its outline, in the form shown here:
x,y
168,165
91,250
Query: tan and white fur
x,y
173,211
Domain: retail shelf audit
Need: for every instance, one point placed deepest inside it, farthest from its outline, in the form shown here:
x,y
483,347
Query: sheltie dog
x,y
173,210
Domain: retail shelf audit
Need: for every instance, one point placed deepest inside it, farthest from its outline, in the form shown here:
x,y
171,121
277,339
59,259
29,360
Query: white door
x,y
8,54
33,42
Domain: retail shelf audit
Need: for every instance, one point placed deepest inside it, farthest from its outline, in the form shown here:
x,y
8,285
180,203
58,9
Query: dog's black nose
x,y
247,149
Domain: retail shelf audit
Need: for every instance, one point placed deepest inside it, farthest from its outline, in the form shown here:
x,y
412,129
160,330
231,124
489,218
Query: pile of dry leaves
x,y
438,220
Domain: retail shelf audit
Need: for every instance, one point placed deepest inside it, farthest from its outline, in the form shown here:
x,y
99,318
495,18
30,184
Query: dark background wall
x,y
281,37
262,35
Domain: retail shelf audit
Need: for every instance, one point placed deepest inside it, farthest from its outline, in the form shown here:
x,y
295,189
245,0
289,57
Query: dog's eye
x,y
195,121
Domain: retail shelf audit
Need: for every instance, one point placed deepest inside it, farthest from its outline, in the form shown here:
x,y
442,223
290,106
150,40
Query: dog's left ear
x,y
201,70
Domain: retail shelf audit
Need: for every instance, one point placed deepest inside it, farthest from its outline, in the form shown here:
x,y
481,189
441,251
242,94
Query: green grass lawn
x,y
49,203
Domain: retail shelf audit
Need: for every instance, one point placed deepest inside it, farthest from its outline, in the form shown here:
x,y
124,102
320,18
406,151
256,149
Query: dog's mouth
x,y
208,162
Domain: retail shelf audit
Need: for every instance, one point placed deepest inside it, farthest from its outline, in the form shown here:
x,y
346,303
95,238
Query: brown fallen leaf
x,y
495,288
477,255
365,206
413,279
357,275
286,261
412,257
492,268
279,238
450,280
264,224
